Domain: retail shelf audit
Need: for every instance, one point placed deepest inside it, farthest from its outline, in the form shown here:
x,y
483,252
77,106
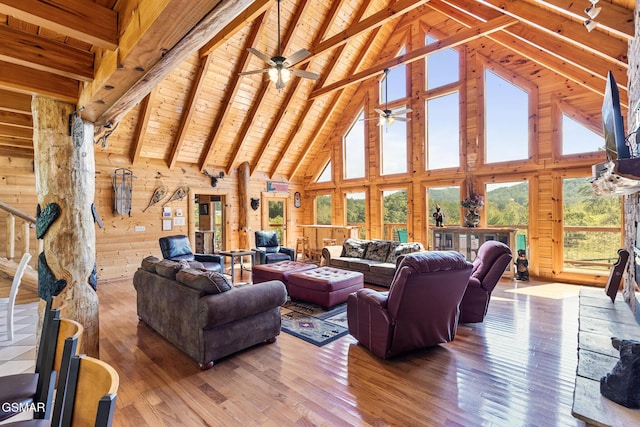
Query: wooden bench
x,y
599,320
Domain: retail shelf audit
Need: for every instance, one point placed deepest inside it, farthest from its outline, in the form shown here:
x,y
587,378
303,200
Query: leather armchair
x,y
420,310
268,249
490,264
177,248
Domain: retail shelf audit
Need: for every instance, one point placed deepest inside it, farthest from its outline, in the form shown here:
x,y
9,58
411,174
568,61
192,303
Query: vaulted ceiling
x,y
161,79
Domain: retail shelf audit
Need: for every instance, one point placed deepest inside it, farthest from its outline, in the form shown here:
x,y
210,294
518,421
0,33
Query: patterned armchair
x,y
268,249
420,310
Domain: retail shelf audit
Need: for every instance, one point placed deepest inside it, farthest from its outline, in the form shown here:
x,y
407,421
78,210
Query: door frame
x,y
192,220
268,196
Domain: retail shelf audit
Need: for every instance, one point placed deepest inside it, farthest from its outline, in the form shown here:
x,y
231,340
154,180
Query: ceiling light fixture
x,y
592,11
590,24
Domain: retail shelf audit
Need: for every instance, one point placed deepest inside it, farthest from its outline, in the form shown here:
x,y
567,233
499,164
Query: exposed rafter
x,y
141,127
446,43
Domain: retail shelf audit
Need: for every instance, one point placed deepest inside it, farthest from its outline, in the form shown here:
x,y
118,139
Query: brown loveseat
x,y
376,259
202,314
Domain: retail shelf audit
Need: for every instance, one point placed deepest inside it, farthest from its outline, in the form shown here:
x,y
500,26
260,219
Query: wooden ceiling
x,y
161,79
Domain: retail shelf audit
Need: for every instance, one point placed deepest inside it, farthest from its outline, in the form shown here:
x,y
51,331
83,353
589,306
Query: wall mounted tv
x,y
613,123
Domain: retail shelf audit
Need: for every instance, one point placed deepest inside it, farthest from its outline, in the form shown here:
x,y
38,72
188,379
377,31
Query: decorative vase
x,y
472,218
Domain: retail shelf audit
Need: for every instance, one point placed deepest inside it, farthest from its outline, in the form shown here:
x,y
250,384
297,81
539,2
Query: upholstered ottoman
x,y
278,271
325,286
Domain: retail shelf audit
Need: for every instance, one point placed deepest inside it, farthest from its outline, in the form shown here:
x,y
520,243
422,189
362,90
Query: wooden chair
x,y
11,301
20,390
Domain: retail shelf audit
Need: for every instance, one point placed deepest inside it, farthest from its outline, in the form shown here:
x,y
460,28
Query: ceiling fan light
x,y
592,11
390,120
594,1
590,24
382,120
273,74
286,74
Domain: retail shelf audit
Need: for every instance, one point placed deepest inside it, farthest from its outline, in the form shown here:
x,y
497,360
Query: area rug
x,y
313,323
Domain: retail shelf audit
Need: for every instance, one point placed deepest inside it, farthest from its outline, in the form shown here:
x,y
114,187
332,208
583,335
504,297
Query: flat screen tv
x,y
613,123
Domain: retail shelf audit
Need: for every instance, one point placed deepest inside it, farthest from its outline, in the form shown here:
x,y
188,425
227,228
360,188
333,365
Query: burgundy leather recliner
x,y
490,264
420,310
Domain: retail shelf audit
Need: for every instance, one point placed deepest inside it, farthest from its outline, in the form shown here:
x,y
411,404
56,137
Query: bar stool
x,y
303,248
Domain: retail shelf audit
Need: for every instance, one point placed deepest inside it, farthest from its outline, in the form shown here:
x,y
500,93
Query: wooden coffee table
x,y
239,254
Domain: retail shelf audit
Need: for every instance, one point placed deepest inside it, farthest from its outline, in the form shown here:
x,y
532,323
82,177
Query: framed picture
x,y
203,209
296,199
167,225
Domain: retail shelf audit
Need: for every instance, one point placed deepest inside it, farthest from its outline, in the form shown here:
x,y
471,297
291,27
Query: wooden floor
x,y
515,369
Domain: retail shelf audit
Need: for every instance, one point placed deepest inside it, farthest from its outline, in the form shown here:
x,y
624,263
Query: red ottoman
x,y
325,286
278,271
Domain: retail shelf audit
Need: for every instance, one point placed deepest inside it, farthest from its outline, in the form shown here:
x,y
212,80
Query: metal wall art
x,y
122,180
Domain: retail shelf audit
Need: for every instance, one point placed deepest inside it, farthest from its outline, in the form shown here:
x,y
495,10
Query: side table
x,y
238,254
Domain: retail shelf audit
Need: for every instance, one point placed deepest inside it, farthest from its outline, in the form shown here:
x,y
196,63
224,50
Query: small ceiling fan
x,y
387,116
279,67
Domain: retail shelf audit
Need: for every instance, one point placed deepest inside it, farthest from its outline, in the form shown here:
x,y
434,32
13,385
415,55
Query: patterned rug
x,y
314,323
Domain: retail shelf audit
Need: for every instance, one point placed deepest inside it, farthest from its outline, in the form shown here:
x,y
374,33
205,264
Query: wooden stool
x,y
303,248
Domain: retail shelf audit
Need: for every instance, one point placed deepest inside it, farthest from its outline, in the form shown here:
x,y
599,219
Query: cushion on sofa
x,y
354,248
210,282
167,268
149,264
378,250
341,262
403,249
383,269
361,264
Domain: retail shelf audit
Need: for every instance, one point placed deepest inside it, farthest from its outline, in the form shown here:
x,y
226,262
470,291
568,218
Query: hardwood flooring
x,y
516,368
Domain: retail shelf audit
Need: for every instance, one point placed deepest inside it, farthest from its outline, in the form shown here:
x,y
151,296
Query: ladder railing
x,y
23,234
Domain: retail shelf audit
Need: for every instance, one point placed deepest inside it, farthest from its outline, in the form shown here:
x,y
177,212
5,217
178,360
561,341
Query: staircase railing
x,y
23,235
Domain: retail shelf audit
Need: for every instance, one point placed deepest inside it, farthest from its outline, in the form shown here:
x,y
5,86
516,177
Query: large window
x,y
592,226
395,82
356,211
395,213
323,209
578,139
393,139
507,205
506,120
354,149
448,198
325,176
443,131
443,67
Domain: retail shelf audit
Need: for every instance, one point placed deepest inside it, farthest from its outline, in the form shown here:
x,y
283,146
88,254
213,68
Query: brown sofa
x,y
376,259
202,314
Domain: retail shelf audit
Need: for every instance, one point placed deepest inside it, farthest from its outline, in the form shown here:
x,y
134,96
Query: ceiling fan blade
x,y
262,56
305,74
379,111
296,57
402,119
406,110
246,73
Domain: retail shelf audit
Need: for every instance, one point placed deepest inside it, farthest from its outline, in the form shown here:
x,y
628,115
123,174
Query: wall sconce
x,y
590,24
214,178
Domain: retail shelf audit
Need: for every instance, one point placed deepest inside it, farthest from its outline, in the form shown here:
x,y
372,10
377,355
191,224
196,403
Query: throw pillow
x,y
209,282
167,268
354,248
378,250
403,249
149,264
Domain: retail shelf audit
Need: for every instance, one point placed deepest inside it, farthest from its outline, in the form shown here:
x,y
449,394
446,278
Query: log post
x,y
65,175
26,236
243,205
11,237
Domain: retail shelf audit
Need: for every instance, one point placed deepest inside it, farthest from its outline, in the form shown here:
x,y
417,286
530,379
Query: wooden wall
x,y
119,247
550,96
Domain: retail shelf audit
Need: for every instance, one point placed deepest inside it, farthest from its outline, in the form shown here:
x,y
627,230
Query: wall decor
x,y
255,203
214,178
280,187
203,209
178,194
296,199
167,225
122,180
45,217
158,194
179,221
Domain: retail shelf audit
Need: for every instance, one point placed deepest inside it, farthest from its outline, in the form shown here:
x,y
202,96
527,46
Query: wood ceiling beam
x,y
567,30
520,39
30,50
83,20
330,108
376,20
14,101
149,51
259,99
16,119
144,113
189,109
295,85
461,37
256,9
30,81
230,94
613,18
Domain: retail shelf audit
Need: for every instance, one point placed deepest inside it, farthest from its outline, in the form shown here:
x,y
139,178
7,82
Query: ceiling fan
x,y
387,116
279,67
